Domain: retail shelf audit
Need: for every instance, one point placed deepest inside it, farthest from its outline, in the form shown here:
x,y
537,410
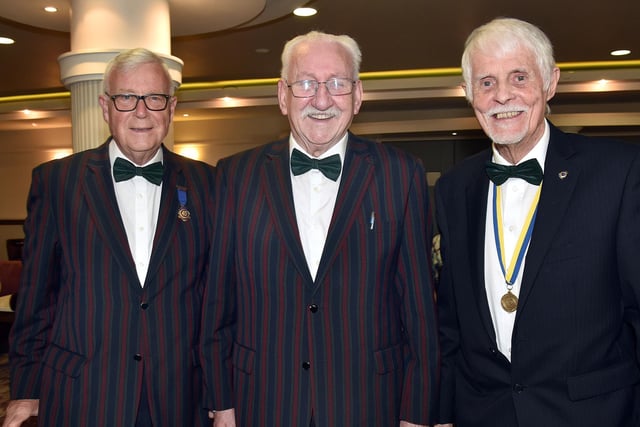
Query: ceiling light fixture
x,y
620,52
6,40
51,9
305,11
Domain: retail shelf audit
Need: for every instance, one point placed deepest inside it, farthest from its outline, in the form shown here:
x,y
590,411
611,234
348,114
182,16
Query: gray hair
x,y
130,59
348,43
508,35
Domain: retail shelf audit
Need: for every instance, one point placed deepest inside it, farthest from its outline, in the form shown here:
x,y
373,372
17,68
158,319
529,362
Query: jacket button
x,y
306,365
137,357
518,388
144,305
313,308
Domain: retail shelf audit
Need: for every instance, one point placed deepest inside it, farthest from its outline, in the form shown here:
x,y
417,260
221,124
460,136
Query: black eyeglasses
x,y
309,88
129,102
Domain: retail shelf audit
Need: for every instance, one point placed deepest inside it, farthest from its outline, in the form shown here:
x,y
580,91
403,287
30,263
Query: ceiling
x,y
221,41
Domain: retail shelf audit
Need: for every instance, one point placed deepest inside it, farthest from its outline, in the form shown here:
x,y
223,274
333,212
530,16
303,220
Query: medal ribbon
x,y
182,196
523,240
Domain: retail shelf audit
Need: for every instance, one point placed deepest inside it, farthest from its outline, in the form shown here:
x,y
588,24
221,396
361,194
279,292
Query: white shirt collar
x,y
339,148
115,152
538,152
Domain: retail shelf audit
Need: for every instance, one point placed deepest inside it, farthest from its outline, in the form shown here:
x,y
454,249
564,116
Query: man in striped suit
x,y
319,309
109,307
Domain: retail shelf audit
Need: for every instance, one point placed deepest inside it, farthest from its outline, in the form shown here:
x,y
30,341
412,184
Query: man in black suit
x,y
540,288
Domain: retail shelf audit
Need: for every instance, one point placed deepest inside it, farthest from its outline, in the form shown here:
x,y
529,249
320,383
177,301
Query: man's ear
x,y
553,84
283,93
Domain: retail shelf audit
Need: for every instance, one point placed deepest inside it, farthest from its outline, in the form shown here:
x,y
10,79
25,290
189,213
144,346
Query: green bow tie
x,y
124,170
330,167
530,171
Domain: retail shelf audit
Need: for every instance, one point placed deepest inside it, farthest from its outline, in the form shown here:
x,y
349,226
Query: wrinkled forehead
x,y
320,57
505,59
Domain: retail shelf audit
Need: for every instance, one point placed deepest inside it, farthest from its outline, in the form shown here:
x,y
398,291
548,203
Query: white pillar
x,y
100,29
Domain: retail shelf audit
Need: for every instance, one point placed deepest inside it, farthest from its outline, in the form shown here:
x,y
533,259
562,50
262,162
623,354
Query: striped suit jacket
x,y
355,347
86,334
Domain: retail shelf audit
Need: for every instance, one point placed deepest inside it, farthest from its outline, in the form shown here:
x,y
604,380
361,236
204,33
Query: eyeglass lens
x,y
129,102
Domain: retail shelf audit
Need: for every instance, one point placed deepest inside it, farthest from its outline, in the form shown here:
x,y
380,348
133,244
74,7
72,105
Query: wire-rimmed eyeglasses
x,y
129,102
309,88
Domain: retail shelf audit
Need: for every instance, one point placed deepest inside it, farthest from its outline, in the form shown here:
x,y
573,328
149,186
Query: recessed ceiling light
x,y
305,11
51,9
620,52
6,40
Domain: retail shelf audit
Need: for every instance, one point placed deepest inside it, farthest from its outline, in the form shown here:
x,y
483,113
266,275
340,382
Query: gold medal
x,y
509,302
183,214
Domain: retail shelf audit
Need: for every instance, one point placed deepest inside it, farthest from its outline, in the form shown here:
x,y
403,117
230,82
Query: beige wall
x,y
9,232
18,159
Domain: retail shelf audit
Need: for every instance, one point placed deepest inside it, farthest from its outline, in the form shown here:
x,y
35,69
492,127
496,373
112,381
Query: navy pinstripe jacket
x,y
85,329
355,347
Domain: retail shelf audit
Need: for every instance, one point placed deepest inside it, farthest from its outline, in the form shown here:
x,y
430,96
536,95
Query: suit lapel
x,y
103,207
167,215
357,175
560,177
476,199
276,185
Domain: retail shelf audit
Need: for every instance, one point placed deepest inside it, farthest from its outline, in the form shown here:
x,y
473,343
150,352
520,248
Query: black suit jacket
x,y
575,342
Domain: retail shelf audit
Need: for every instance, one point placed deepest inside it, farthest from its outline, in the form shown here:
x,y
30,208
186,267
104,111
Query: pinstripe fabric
x,y
575,356
371,344
82,315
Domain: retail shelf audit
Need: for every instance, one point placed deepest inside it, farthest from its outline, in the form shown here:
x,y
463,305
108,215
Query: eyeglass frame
x,y
318,83
138,98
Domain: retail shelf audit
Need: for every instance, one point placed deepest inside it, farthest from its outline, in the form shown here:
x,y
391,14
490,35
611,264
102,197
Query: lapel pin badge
x,y
183,213
563,174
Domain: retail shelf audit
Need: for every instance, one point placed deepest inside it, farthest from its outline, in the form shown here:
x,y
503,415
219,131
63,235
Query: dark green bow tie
x,y
124,169
301,163
530,171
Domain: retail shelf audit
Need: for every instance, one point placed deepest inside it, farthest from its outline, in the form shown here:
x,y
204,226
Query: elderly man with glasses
x,y
117,241
319,306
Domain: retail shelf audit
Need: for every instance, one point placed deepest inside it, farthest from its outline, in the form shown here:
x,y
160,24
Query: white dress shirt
x,y
314,197
517,197
139,204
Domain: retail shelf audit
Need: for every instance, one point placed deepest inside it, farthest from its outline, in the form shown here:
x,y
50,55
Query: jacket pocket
x,y
63,360
243,358
603,381
388,359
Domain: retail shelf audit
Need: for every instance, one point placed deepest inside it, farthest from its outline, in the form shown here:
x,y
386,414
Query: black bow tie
x,y
124,169
530,171
330,167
